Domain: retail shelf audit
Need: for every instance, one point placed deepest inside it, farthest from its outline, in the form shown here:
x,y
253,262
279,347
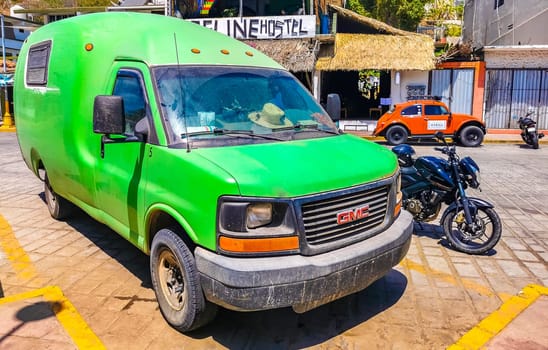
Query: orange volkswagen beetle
x,y
422,118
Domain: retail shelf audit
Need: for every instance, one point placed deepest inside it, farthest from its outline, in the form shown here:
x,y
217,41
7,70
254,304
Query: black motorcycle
x,y
529,132
470,224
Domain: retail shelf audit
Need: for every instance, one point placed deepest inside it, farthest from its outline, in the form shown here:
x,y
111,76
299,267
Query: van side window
x,y
37,64
129,86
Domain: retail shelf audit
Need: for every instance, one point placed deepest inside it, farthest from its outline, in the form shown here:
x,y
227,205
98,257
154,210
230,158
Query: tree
x,y
403,14
442,10
358,7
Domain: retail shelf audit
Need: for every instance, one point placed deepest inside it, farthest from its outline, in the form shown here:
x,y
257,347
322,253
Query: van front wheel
x,y
59,208
176,283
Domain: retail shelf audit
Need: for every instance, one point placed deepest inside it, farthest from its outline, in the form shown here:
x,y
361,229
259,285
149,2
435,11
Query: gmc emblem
x,y
344,217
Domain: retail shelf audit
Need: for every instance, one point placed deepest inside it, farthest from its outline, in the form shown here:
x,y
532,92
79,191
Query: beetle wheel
x,y
396,135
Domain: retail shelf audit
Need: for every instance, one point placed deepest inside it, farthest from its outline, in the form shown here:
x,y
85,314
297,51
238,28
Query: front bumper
x,y
303,282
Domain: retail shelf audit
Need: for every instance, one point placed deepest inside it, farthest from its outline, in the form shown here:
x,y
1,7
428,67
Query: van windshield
x,y
204,102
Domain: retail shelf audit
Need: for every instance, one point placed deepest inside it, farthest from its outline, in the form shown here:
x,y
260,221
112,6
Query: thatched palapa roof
x,y
379,51
296,55
377,46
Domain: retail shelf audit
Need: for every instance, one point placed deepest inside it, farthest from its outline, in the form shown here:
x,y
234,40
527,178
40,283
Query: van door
x,y
121,173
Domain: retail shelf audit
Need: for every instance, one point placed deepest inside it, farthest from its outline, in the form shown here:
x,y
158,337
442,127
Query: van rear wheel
x,y
59,208
176,283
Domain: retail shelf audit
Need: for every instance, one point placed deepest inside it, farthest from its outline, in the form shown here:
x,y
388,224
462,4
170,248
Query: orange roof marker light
x,y
89,47
249,53
195,50
225,52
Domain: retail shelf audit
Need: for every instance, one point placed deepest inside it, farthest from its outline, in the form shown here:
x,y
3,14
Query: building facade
x,y
511,37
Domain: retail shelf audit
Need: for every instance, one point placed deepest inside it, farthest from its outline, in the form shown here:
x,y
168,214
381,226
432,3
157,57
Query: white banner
x,y
273,27
436,125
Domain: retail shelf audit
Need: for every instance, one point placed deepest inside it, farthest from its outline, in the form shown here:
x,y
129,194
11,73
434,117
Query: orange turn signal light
x,y
397,207
89,47
258,245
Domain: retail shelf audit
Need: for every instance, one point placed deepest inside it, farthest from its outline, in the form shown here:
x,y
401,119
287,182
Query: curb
x,y
493,324
486,140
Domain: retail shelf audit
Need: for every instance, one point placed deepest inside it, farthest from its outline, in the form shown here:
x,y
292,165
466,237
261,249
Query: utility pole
x,y
6,118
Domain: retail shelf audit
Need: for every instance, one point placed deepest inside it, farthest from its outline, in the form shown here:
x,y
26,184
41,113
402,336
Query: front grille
x,y
320,217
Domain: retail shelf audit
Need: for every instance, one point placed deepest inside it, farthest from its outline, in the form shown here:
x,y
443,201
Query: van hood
x,y
297,168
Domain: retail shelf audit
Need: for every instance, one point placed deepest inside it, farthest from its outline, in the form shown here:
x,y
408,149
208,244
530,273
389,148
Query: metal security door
x,y
510,93
498,98
456,87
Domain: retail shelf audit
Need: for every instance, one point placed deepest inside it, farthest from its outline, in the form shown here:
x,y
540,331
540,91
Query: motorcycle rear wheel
x,y
534,141
480,238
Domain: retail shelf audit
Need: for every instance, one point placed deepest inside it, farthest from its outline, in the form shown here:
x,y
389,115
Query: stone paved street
x,y
429,301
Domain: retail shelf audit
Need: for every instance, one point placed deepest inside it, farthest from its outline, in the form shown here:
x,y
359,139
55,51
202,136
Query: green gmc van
x,y
211,158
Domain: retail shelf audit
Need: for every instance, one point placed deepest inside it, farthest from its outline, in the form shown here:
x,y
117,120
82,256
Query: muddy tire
x,y
176,283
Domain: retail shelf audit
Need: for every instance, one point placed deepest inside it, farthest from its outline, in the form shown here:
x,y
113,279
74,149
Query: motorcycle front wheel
x,y
478,238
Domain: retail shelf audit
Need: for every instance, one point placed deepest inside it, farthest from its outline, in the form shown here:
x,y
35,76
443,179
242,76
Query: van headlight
x,y
256,226
258,214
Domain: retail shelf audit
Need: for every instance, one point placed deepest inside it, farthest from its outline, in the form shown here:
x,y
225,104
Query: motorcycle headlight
x,y
256,226
471,172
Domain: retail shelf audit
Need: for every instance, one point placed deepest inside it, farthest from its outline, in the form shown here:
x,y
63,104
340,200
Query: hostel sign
x,y
272,27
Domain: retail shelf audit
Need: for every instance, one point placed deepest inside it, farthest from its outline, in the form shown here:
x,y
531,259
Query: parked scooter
x,y
470,224
529,132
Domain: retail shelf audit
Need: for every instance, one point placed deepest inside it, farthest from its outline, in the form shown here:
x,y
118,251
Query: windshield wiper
x,y
314,127
233,133
249,133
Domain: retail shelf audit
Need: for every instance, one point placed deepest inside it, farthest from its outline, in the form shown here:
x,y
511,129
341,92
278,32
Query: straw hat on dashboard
x,y
271,116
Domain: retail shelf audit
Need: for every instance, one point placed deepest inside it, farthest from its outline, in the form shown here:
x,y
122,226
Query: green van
x,y
211,158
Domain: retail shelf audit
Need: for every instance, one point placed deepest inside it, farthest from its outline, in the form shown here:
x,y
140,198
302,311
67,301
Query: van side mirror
x,y
108,115
334,106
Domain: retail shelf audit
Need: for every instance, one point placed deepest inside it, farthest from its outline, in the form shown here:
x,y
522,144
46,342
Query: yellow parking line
x,y
498,320
17,256
65,312
446,277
